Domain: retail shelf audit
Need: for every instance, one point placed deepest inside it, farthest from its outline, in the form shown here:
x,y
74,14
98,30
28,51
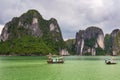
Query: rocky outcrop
x,y
79,42
31,24
4,34
26,24
88,40
115,41
55,30
64,52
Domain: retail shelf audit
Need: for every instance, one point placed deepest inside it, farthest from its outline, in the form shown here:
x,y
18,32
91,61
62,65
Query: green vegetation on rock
x,y
100,51
30,34
70,44
116,43
108,44
25,46
90,42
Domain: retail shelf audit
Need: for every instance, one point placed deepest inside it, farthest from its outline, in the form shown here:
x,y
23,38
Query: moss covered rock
x,y
45,34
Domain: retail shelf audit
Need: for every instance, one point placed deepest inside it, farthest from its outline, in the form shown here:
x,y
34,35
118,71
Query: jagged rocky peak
x,y
95,33
31,23
30,17
26,24
55,29
114,33
115,38
4,34
88,40
31,26
30,20
54,25
31,13
92,32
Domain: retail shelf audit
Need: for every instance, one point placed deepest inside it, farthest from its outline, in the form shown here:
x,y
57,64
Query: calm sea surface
x,y
74,68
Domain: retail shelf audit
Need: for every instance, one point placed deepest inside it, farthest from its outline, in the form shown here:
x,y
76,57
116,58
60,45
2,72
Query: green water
x,y
74,68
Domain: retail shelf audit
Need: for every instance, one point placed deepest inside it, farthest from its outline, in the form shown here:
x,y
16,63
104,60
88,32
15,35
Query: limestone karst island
x,y
31,34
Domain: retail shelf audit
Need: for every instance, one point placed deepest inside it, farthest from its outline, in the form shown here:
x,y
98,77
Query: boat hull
x,y
51,62
111,63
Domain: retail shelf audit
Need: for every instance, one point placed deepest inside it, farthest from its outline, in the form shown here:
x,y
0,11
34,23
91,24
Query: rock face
x,y
79,42
64,52
32,24
88,40
55,30
4,34
115,41
26,24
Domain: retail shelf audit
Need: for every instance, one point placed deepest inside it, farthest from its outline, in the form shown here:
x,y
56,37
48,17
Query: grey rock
x,y
64,52
32,25
115,41
55,30
79,42
4,34
88,40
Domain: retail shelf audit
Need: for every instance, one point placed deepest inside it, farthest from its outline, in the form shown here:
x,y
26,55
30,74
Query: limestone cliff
x,y
32,24
79,44
26,24
89,40
115,41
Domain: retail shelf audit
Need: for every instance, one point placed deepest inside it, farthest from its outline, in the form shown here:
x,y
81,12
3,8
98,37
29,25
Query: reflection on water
x,y
65,57
90,57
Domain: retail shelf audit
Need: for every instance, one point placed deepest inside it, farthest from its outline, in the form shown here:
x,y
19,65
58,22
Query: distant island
x,y
31,34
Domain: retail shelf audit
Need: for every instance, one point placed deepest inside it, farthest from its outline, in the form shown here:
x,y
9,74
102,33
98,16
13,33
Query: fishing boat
x,y
110,61
55,59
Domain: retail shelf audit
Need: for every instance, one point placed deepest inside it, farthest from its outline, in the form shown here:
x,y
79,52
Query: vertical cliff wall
x,y
87,41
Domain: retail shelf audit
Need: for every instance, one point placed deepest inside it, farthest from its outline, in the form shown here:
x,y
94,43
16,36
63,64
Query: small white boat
x,y
110,61
55,59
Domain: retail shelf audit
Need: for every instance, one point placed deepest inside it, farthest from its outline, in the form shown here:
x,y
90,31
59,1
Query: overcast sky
x,y
72,15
